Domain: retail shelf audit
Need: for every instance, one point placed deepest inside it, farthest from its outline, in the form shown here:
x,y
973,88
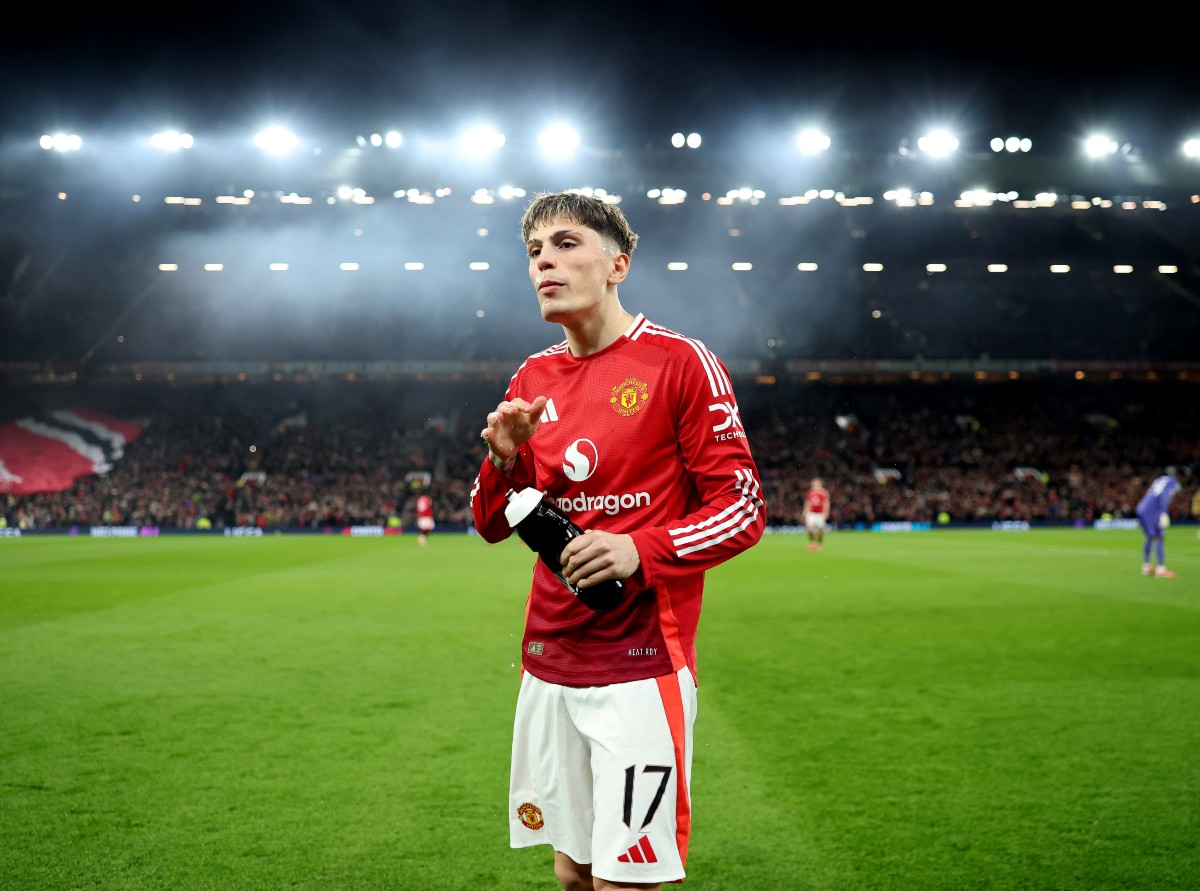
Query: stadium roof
x,y
640,71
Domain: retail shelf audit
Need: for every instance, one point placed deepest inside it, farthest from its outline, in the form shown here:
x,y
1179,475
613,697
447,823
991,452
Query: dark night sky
x,y
640,70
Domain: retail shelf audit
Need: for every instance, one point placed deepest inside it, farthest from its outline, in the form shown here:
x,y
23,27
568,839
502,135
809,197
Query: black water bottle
x,y
547,530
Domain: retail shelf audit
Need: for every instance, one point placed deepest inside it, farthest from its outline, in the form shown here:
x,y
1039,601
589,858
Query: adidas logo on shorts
x,y
642,852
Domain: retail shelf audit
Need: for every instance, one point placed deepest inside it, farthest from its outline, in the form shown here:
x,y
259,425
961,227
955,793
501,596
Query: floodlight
x,y
276,140
558,141
1011,144
1099,145
61,142
480,141
938,143
171,140
812,141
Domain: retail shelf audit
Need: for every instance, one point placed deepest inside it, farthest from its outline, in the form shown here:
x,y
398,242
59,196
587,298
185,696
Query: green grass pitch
x,y
949,710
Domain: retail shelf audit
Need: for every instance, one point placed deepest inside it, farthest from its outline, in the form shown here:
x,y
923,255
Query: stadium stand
x,y
319,458
959,380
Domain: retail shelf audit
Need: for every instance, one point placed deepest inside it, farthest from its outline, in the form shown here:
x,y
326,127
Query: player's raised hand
x,y
512,424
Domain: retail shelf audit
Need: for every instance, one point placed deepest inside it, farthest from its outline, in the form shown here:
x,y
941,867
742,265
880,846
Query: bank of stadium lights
x,y
480,141
938,143
908,198
558,141
592,192
392,139
276,140
416,196
171,140
358,196
1011,144
811,141
931,268
823,195
489,196
752,196
984,198
61,142
667,196
1099,145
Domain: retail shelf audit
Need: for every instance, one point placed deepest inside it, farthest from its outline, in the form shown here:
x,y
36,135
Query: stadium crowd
x,y
925,453
1035,450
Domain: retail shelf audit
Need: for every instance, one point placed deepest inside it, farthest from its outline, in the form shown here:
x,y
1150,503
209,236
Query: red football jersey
x,y
817,501
643,438
424,507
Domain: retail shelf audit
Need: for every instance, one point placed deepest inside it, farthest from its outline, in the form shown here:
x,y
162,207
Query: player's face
x,y
570,270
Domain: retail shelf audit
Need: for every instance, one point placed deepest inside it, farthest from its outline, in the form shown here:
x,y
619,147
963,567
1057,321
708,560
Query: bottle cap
x,y
521,504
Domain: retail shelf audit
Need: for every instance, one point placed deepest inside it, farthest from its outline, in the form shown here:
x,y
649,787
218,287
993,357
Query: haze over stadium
x,y
403,250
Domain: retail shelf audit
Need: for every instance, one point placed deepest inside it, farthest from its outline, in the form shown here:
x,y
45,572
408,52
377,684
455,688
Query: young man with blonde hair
x,y
634,431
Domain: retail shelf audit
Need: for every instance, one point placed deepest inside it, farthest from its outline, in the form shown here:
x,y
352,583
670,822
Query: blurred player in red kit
x,y
634,432
425,522
816,513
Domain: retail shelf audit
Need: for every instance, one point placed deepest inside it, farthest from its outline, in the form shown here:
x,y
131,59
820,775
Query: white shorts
x,y
425,524
603,774
814,522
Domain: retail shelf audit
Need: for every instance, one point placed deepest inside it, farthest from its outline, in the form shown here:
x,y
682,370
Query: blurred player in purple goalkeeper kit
x,y
633,431
1154,517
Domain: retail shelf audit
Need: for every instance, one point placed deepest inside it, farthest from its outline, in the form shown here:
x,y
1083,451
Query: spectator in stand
x,y
816,513
1153,513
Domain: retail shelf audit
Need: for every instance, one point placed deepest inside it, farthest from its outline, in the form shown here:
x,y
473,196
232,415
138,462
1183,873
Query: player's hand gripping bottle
x,y
547,530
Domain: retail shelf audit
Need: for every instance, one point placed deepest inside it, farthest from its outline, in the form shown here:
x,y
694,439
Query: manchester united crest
x,y
629,396
530,816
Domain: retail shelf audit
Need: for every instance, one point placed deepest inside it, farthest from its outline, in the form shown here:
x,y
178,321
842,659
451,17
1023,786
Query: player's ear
x,y
620,269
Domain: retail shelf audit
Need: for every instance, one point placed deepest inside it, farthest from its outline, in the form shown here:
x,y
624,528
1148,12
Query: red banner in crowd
x,y
47,453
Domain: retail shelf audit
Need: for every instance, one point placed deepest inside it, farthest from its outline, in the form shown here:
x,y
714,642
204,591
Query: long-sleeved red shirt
x,y
642,438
